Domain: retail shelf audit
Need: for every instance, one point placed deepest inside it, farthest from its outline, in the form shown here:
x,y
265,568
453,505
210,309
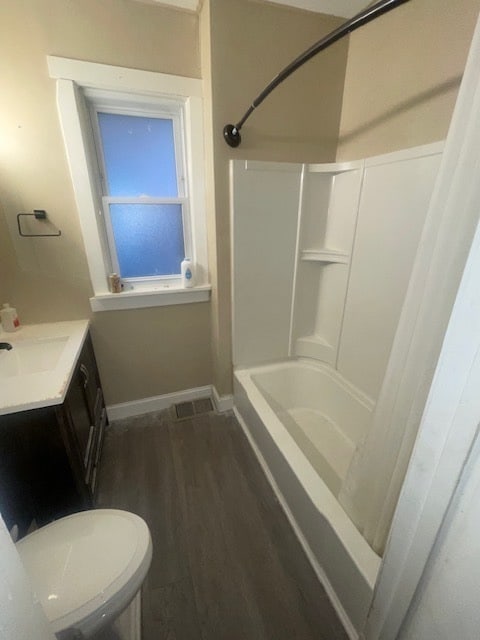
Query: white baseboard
x,y
157,403
221,403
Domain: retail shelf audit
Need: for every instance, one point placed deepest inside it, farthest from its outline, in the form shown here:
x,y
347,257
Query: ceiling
x,y
342,8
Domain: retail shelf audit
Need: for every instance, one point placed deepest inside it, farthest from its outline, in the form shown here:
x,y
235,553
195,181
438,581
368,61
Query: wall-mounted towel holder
x,y
38,214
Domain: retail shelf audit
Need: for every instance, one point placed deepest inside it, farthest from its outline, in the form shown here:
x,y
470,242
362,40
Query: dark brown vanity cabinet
x,y
49,457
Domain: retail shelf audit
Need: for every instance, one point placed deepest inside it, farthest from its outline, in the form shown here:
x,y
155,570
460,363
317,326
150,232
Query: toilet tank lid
x,y
81,562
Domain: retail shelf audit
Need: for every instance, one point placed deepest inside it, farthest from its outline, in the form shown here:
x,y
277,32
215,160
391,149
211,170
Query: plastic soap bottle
x,y
9,317
188,276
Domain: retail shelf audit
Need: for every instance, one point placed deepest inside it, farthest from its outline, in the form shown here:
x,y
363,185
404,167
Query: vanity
x,y
52,421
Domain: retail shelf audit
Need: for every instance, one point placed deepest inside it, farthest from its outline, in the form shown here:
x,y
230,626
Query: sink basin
x,y
31,356
38,369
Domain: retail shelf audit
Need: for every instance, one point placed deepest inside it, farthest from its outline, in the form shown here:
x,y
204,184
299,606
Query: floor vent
x,y
185,410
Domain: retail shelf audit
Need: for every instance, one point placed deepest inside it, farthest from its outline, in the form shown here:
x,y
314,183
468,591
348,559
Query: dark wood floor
x,y
226,563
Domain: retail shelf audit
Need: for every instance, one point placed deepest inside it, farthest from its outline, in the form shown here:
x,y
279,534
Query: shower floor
x,y
226,563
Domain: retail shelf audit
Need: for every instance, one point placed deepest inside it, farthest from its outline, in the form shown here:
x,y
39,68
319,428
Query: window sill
x,y
157,297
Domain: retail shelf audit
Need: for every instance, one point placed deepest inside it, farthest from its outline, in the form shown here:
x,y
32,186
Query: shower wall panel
x,y
394,201
264,198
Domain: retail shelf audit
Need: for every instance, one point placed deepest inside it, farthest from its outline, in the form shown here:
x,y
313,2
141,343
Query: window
x,y
136,157
140,155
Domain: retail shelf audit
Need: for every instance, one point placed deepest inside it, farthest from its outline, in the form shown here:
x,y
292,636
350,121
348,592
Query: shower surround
x,y
322,256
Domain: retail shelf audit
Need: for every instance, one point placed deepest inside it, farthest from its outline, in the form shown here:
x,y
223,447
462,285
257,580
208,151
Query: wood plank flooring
x,y
226,564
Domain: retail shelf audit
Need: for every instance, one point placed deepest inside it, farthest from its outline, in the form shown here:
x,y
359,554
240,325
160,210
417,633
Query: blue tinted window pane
x,y
139,155
148,238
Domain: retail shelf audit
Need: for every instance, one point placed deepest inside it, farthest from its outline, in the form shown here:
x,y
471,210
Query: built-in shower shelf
x,y
334,169
327,256
315,346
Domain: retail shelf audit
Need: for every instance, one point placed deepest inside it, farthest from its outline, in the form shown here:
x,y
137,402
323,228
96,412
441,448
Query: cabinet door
x,y
86,410
100,422
37,479
91,382
80,414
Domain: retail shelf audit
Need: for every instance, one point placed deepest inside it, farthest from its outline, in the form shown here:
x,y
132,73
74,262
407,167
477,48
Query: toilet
x,y
86,568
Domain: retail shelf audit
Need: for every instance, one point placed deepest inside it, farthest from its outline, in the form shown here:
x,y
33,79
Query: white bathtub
x,y
304,422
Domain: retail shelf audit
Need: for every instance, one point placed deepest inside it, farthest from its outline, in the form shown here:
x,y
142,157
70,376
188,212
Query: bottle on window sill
x,y
114,283
188,274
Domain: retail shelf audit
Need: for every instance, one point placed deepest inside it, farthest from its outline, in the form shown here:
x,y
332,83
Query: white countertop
x,y
48,384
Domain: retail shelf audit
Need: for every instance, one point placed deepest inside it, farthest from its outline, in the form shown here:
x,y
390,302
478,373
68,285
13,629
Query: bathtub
x,y
304,421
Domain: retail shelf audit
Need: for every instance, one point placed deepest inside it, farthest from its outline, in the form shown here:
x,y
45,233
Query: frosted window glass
x,y
139,155
148,238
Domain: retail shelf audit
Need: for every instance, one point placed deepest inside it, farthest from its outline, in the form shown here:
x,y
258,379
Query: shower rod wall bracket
x,y
231,132
232,135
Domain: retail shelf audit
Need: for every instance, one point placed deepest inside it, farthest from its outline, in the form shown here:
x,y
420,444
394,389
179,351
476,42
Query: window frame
x,y
81,84
141,106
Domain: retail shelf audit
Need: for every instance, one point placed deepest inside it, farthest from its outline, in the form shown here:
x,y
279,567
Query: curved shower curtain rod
x,y
231,132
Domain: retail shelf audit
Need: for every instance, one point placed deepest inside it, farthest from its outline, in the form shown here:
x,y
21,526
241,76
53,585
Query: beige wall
x,y
403,75
141,353
7,259
181,362
250,42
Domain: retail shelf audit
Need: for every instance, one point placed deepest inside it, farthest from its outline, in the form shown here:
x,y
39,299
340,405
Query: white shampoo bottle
x,y
188,275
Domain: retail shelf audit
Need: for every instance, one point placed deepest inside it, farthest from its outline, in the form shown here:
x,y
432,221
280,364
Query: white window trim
x,y
74,74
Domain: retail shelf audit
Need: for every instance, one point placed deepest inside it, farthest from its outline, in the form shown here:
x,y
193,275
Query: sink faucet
x,y
5,345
